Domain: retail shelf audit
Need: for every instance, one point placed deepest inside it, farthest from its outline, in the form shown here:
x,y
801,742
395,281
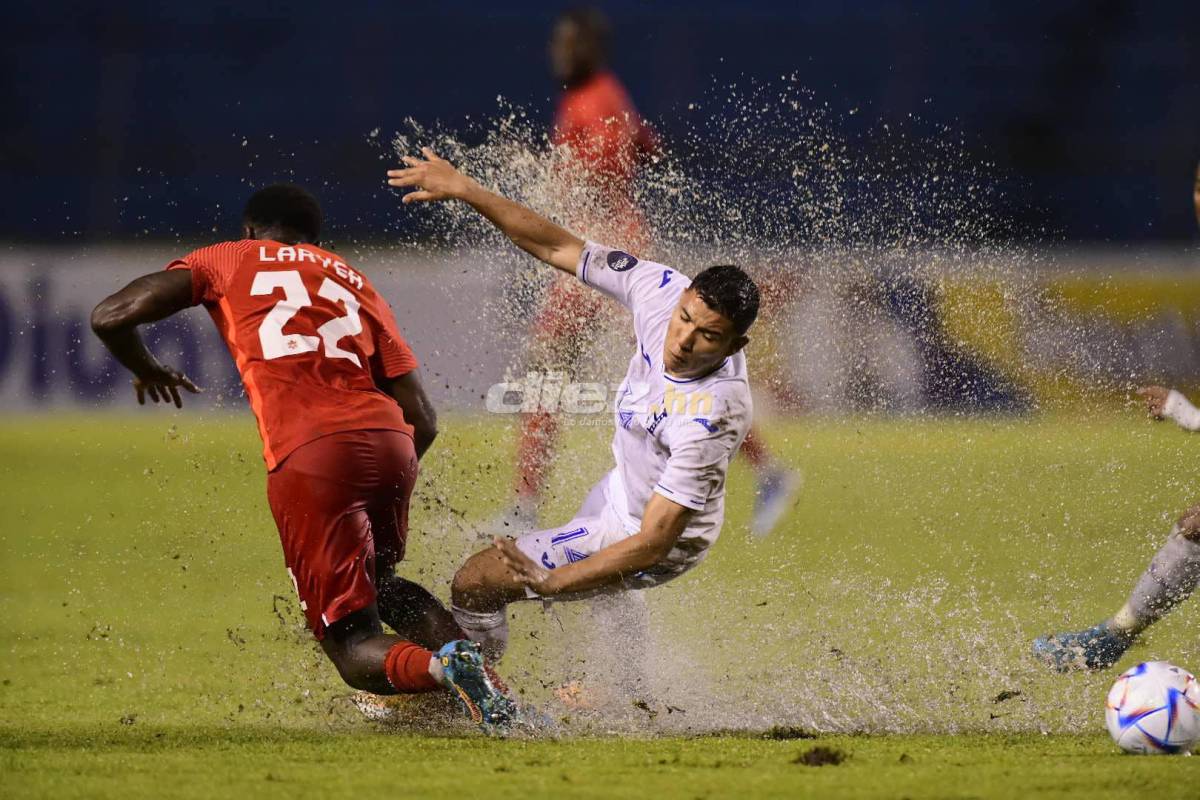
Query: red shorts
x,y
341,505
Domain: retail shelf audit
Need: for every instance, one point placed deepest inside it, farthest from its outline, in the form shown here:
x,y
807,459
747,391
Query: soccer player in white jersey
x,y
681,413
1170,579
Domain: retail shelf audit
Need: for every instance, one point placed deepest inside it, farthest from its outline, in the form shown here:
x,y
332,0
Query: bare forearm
x,y
409,394
435,179
127,347
663,521
528,230
115,319
609,566
423,437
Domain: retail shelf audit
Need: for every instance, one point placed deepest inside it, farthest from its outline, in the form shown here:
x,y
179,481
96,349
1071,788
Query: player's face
x,y
698,338
1196,194
569,55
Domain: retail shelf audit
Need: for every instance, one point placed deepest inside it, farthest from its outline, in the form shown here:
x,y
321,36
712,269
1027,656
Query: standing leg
x,y
405,607
535,455
414,613
320,497
563,322
377,662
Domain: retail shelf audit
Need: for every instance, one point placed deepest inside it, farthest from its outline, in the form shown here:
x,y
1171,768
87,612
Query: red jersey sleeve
x,y
392,354
212,269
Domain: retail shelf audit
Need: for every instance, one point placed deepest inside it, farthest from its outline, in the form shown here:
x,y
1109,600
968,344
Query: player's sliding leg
x,y
405,607
775,486
417,616
1172,576
479,596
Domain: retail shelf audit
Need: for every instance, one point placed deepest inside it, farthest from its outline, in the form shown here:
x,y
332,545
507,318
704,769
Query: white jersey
x,y
674,437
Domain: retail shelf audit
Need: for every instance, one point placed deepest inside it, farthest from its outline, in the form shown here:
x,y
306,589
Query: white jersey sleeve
x,y
700,450
630,281
1184,414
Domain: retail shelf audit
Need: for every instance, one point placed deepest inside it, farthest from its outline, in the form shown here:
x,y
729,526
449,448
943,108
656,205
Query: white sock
x,y
1184,414
435,670
488,629
1167,582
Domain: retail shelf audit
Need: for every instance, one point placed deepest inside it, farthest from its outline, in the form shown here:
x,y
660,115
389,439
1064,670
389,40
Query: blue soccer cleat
x,y
1096,648
464,672
775,497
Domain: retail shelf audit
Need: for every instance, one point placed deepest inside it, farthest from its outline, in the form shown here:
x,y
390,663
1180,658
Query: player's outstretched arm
x,y
662,523
418,410
148,299
1163,403
434,178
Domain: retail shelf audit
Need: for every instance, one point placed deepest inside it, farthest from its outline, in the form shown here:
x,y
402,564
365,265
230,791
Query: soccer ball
x,y
1154,708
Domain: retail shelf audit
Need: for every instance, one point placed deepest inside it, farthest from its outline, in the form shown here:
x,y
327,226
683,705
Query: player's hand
x,y
162,386
434,177
527,571
1156,400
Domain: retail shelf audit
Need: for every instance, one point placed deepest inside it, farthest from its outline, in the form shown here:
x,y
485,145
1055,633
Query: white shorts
x,y
596,525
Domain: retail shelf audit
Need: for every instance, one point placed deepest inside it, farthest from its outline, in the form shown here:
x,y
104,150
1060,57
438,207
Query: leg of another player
x,y
1172,576
567,313
374,661
776,486
479,596
536,448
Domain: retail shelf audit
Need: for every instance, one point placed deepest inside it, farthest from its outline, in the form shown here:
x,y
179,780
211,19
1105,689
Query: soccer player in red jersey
x,y
608,140
343,419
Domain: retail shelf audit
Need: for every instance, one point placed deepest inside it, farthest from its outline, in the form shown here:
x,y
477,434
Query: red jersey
x,y
310,335
599,122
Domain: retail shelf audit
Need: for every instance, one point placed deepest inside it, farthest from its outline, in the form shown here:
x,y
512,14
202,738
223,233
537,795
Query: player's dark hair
x,y
288,208
593,25
730,292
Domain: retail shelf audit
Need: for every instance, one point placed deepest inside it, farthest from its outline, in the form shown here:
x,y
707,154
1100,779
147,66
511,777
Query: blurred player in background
x,y
683,409
343,418
1170,579
608,141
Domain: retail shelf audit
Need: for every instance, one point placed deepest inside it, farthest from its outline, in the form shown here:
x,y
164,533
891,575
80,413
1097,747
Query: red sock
x,y
755,451
535,449
407,668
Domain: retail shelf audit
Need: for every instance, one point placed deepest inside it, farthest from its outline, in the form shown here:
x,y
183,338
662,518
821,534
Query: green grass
x,y
151,645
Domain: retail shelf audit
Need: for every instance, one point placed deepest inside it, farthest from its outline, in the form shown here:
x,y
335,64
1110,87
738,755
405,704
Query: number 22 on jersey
x,y
277,344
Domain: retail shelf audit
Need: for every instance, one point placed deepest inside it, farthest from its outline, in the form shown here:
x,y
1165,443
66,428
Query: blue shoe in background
x,y
775,496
